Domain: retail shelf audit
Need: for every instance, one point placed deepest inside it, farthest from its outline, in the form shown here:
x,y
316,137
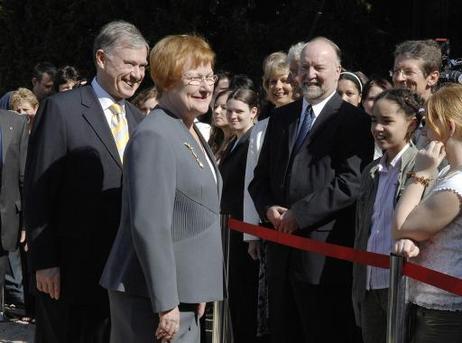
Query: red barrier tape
x,y
415,271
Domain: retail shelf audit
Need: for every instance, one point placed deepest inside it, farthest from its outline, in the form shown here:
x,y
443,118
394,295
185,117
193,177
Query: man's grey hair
x,y
116,34
294,52
426,50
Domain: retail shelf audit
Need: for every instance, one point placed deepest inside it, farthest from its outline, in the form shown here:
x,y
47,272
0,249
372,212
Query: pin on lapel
x,y
11,128
191,149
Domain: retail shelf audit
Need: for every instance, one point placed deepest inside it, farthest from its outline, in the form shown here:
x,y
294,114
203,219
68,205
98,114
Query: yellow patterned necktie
x,y
119,128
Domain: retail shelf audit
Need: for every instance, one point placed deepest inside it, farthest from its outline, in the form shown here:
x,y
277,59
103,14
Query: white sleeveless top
x,y
442,252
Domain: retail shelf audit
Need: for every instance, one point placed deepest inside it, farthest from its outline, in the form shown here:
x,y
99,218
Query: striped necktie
x,y
119,128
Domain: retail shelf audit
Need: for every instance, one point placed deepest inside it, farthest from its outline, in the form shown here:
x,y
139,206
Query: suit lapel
x,y
7,131
94,115
293,117
133,119
228,151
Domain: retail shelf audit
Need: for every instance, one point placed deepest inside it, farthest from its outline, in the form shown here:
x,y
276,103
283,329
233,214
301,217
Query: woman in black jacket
x,y
241,111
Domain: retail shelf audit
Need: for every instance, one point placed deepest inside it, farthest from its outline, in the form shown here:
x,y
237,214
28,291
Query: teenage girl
x,y
395,116
430,230
350,86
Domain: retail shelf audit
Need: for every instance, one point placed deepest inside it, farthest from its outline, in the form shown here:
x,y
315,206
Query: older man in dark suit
x,y
73,188
13,148
306,183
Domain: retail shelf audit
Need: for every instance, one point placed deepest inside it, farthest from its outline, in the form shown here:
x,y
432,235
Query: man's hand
x,y
274,215
288,223
254,249
49,281
406,247
169,323
200,310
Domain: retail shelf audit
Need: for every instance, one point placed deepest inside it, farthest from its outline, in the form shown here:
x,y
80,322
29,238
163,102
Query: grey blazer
x,y
15,135
168,247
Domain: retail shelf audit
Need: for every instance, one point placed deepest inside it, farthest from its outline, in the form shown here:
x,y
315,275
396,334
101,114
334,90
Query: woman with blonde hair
x,y
276,82
24,102
279,92
428,228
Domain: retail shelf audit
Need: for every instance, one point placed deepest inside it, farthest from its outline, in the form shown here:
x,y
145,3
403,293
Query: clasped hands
x,y
282,219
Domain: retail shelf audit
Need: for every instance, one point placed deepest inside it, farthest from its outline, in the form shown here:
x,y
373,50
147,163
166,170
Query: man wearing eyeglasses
x,y
417,66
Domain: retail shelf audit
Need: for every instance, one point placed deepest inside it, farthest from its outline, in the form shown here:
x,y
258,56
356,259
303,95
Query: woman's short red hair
x,y
170,55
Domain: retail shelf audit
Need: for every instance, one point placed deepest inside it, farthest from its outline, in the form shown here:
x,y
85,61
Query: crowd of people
x,y
111,196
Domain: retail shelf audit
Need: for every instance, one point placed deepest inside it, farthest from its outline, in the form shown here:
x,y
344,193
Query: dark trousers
x,y
430,326
17,285
3,270
3,267
242,290
14,290
60,322
374,316
29,299
302,312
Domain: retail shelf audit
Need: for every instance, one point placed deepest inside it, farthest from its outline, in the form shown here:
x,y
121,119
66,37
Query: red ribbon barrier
x,y
415,271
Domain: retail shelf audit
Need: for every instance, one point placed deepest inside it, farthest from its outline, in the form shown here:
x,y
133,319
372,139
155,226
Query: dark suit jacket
x,y
232,169
15,135
319,184
73,191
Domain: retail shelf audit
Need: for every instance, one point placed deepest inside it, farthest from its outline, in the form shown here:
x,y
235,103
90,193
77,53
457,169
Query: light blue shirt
x,y
380,240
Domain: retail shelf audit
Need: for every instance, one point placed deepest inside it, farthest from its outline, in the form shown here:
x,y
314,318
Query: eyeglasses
x,y
405,72
197,79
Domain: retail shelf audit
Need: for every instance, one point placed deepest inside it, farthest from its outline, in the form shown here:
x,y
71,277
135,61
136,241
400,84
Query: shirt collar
x,y
318,107
103,97
382,166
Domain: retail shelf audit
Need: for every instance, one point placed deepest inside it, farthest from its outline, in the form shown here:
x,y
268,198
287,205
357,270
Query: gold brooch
x,y
189,146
